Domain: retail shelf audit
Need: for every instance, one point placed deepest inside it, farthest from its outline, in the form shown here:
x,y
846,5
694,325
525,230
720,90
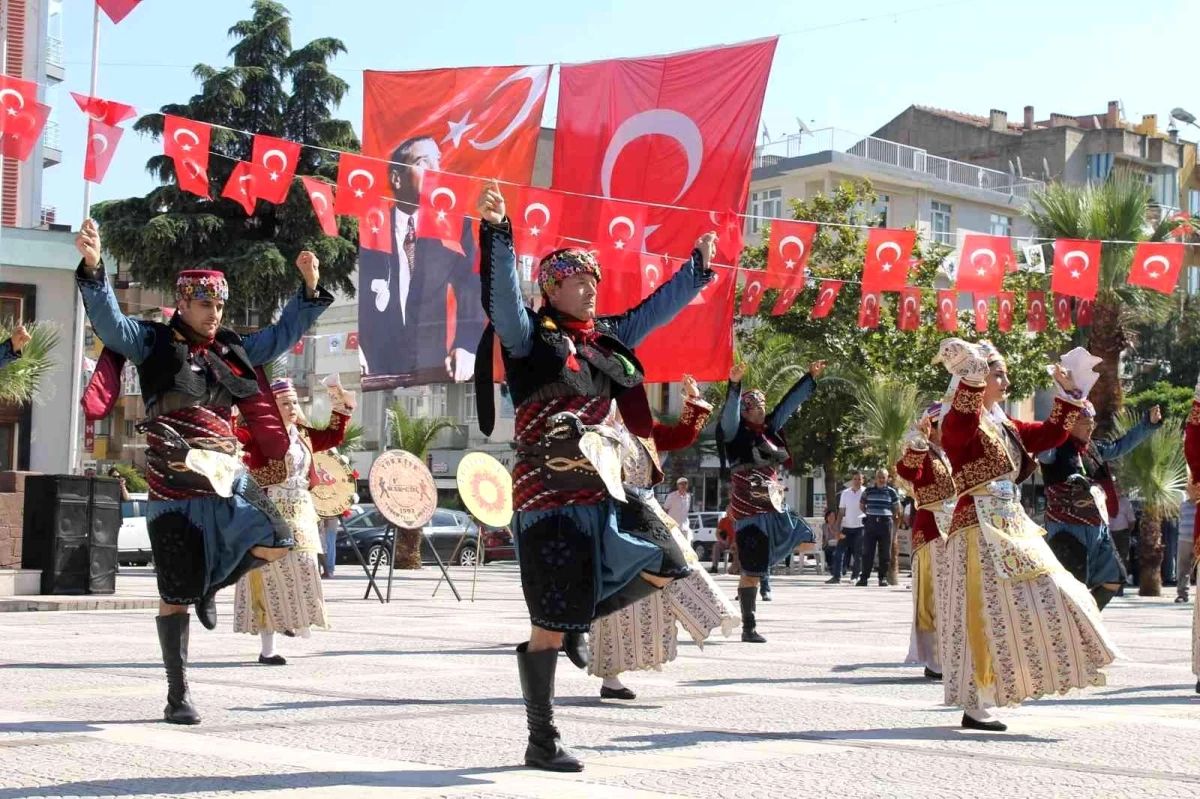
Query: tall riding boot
x,y
1103,595
206,608
173,640
545,750
748,596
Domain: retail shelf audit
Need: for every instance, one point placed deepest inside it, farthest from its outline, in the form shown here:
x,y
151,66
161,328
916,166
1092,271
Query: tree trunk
x,y
831,484
1150,553
1107,341
408,549
894,563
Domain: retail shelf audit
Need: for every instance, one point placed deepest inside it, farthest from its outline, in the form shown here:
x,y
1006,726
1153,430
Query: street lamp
x,y
1183,116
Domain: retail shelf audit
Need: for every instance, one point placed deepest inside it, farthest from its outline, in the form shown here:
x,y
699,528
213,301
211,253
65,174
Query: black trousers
x,y
877,537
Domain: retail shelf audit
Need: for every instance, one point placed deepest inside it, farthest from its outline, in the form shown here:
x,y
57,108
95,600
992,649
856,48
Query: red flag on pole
x,y
101,147
909,313
947,316
117,10
1004,316
983,264
360,181
22,129
186,143
982,301
889,255
1076,268
101,110
1035,311
535,216
273,165
826,297
240,187
1156,266
1062,311
868,309
324,200
787,255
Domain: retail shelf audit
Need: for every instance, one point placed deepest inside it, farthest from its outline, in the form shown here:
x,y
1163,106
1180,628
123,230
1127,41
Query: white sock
x,y
613,683
268,643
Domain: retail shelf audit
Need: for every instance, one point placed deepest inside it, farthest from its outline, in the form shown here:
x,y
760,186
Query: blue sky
x,y
830,69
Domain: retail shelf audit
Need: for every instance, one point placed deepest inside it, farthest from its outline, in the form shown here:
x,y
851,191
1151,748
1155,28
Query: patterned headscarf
x,y
561,264
282,385
753,400
201,284
933,413
990,353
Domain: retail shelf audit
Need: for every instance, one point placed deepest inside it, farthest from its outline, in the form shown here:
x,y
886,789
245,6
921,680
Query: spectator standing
x,y
329,532
881,508
850,523
1120,528
1186,564
678,505
829,541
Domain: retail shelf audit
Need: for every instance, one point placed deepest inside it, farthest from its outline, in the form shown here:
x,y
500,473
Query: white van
x,y
133,542
704,532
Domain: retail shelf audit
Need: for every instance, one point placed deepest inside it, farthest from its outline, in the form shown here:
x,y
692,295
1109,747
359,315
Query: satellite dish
x,y
1045,169
1095,121
803,128
1020,171
1012,170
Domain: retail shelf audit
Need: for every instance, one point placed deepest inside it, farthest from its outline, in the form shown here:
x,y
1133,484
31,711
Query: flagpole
x,y
77,340
4,70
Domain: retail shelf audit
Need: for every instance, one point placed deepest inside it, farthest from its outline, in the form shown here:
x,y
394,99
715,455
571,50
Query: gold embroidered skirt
x,y
285,594
1017,625
927,564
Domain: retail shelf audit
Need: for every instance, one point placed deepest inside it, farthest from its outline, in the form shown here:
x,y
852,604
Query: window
x,y
1193,277
1001,225
12,307
939,221
764,205
1164,188
130,428
879,211
1098,166
103,427
1194,202
470,413
8,440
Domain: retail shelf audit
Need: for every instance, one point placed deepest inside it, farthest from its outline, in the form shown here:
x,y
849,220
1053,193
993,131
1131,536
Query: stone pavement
x,y
420,698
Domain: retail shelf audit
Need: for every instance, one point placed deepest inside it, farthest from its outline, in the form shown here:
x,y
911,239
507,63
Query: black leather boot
x,y
1103,596
747,596
206,608
575,644
173,640
545,749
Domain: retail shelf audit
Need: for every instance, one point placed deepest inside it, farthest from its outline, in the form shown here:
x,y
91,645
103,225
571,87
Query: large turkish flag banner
x,y
480,122
674,130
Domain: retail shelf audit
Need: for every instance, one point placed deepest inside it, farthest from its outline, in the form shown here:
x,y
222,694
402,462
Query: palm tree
x,y
886,408
21,379
415,436
1157,473
1115,210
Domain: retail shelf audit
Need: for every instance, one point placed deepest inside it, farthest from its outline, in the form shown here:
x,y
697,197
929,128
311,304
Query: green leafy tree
x,y
1171,351
270,88
1176,401
21,379
1114,210
135,483
1157,474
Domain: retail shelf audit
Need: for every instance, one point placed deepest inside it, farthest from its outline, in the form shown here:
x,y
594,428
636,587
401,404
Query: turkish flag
x,y
1035,311
868,309
786,299
653,272
273,165
360,181
1062,311
826,296
788,251
101,110
482,120
1005,305
947,315
240,187
323,201
889,255
298,347
1076,268
352,340
374,232
730,241
1184,228
699,341
908,315
752,294
620,229
673,130
981,312
16,95
117,10
101,147
1083,313
1156,266
445,200
22,127
535,218
187,144
983,263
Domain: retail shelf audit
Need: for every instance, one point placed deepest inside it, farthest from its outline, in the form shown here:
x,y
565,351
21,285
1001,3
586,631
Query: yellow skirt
x,y
1017,625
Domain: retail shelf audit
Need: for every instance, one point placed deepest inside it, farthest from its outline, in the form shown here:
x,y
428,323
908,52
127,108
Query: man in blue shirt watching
x,y
881,509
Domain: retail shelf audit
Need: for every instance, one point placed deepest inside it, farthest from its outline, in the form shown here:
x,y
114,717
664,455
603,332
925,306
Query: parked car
x,y
452,533
133,540
704,532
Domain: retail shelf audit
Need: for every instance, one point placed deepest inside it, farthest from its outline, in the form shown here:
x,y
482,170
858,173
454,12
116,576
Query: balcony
x,y
54,59
894,154
49,215
51,144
